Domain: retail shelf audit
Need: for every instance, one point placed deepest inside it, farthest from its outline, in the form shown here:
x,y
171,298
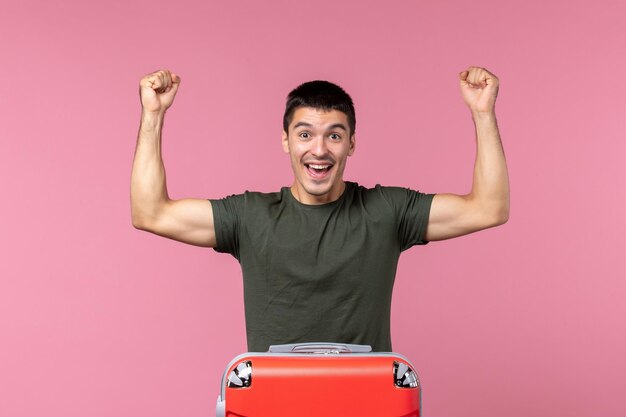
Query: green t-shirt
x,y
320,273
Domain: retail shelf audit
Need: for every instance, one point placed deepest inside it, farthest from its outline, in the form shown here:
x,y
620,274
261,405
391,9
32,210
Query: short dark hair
x,y
319,94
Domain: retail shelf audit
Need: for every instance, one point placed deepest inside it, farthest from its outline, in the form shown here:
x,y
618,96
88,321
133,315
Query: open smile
x,y
318,171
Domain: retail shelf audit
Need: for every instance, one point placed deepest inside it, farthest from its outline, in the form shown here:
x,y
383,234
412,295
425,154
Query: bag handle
x,y
320,347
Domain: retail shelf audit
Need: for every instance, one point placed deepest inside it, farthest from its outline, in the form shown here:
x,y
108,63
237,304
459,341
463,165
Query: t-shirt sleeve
x,y
227,219
411,209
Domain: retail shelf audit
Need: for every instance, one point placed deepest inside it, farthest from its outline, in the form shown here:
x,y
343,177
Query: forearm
x,y
490,188
148,189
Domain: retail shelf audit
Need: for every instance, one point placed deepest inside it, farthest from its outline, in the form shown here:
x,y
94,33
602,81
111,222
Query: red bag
x,y
319,380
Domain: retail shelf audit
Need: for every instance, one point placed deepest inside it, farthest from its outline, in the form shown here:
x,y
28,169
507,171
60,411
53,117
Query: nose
x,y
318,147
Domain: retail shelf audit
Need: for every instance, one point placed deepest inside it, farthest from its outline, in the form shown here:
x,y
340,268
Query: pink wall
x,y
99,319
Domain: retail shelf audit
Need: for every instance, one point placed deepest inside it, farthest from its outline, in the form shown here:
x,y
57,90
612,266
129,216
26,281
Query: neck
x,y
304,197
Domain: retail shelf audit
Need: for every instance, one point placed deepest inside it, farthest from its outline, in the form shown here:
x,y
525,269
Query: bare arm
x,y
186,220
487,204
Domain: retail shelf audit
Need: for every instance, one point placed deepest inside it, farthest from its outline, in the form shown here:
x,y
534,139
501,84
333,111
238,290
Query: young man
x,y
319,257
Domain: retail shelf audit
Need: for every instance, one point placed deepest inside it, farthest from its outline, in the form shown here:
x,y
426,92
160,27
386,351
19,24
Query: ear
x,y
352,145
285,138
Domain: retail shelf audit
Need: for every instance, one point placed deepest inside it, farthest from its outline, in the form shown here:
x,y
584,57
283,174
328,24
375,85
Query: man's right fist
x,y
157,91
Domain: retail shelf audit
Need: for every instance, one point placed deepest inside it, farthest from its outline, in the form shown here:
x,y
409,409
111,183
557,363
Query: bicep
x,y
188,220
454,215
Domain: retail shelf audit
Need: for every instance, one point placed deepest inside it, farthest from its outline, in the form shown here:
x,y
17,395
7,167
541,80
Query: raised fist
x,y
479,88
157,90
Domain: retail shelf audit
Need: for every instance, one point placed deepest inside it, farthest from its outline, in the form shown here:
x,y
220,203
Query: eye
x,y
304,135
335,136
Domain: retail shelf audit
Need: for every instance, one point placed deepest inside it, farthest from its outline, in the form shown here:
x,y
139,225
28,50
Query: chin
x,y
317,190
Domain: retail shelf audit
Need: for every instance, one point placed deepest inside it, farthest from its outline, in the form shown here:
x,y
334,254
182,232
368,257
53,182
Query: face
x,y
319,143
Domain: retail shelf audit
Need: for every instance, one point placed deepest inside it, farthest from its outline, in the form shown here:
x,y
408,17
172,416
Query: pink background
x,y
99,319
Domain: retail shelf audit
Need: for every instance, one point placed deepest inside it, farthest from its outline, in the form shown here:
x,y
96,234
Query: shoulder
x,y
252,197
249,203
263,198
388,194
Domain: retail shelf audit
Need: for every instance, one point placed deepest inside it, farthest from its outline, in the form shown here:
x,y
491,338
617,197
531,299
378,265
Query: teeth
x,y
318,166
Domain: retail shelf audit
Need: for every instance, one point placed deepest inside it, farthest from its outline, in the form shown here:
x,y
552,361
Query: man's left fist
x,y
479,88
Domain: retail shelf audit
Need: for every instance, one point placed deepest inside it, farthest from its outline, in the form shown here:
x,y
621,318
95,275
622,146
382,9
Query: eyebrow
x,y
333,126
